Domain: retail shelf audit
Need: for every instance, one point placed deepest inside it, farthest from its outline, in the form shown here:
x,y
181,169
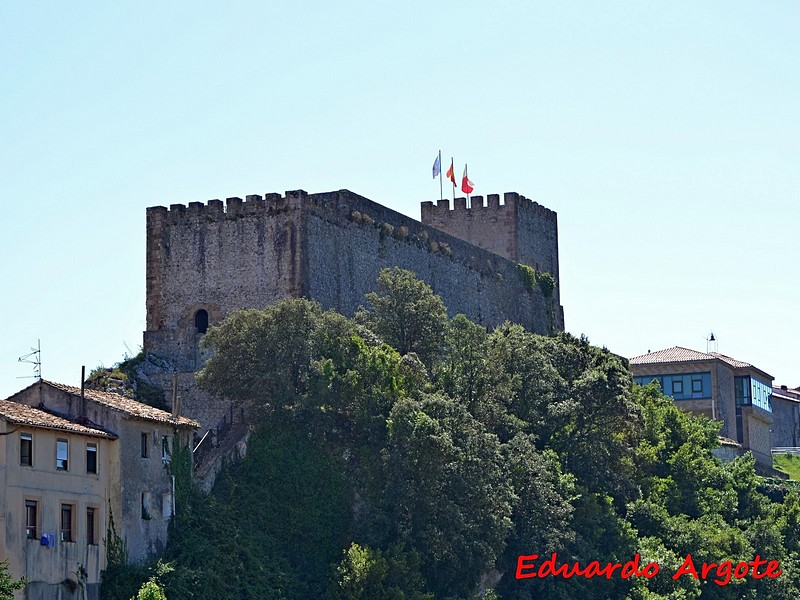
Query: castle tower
x,y
205,261
519,229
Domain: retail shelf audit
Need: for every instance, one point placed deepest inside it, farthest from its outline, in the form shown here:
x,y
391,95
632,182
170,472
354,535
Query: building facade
x,y
55,496
786,422
70,462
718,387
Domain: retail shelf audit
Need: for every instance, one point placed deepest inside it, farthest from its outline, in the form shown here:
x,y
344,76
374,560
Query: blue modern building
x,y
719,387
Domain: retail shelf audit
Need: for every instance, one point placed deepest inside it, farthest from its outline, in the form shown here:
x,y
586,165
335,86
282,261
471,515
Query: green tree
x,y
9,585
692,503
501,444
367,574
150,590
449,496
406,314
599,421
263,356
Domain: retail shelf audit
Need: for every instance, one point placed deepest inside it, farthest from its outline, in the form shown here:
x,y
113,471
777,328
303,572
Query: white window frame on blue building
x,y
682,386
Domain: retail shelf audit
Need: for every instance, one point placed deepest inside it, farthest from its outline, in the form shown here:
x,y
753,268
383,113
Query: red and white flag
x,y
466,185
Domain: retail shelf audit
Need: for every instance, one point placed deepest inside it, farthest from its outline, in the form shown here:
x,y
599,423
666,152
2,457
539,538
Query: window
x,y
90,536
145,446
66,522
749,391
26,449
741,387
146,505
31,515
62,454
164,449
201,321
91,458
688,386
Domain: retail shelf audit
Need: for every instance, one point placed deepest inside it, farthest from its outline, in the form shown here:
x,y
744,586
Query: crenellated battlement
x,y
518,229
253,204
211,258
512,201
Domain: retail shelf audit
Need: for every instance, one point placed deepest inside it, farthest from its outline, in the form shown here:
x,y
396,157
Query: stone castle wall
x,y
329,247
245,255
520,230
349,239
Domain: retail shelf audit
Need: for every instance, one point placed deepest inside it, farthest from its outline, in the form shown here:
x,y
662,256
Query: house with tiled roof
x,y
70,461
720,387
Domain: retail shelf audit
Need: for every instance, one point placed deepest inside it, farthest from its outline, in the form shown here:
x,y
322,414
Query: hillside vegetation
x,y
789,464
405,455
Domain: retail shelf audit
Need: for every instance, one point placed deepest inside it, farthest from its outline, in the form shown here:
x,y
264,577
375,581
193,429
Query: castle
x,y
73,458
205,261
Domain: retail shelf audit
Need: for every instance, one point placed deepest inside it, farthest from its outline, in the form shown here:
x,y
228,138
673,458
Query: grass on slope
x,y
789,464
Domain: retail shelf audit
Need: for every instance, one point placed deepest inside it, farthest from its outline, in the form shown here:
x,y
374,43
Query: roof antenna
x,y
34,357
83,392
711,342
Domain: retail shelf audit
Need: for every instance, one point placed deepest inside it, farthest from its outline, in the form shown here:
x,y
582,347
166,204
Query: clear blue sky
x,y
665,135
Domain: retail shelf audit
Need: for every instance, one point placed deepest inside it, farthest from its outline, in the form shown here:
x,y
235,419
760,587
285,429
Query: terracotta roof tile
x,y
739,364
22,414
674,354
680,354
126,405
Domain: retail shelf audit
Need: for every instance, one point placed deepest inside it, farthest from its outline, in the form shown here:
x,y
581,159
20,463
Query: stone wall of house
x,y
757,425
46,566
786,422
138,485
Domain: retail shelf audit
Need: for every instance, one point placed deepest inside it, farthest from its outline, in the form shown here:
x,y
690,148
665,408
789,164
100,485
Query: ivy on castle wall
x,y
532,279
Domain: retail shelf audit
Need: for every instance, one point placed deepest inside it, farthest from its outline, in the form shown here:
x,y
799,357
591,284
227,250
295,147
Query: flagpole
x,y
453,180
466,174
441,188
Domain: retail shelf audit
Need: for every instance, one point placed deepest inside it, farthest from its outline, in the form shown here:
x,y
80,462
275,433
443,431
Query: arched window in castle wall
x,y
201,320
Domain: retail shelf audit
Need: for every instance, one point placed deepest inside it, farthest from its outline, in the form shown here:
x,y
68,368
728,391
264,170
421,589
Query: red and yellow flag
x,y
451,173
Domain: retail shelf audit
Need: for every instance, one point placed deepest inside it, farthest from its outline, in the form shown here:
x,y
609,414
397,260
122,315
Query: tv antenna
x,y
33,357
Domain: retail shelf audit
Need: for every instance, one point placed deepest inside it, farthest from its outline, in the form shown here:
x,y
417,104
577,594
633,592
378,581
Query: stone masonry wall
x,y
519,229
328,247
349,239
758,435
785,430
491,226
205,257
537,238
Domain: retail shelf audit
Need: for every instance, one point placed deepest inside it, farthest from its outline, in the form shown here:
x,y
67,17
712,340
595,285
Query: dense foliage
x,y
8,585
404,455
